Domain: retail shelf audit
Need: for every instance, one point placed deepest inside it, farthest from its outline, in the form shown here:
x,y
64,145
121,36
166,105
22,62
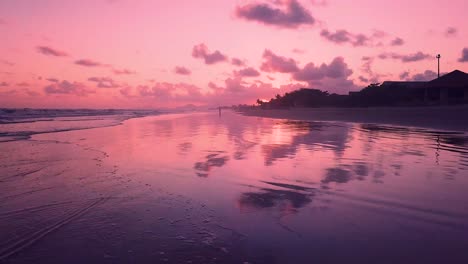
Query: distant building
x,y
451,88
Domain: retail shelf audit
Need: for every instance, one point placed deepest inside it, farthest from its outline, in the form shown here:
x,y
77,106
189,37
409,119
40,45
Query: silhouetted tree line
x,y
373,95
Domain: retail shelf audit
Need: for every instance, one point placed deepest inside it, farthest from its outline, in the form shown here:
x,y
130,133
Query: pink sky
x,y
150,53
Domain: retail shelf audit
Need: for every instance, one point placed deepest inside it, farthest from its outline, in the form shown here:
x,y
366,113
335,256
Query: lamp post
x,y
438,65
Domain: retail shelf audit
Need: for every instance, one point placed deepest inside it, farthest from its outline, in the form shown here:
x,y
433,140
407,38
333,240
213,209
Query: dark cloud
x,y
247,72
237,62
331,77
66,87
182,70
276,63
451,32
286,14
88,63
201,51
464,56
4,84
397,42
123,72
424,76
52,80
404,75
51,51
418,56
336,69
343,36
104,82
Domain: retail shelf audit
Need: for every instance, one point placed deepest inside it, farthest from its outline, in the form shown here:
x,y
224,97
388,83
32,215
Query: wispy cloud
x,y
181,70
412,57
247,72
201,51
237,62
343,36
397,42
68,88
104,82
123,72
451,32
48,51
88,63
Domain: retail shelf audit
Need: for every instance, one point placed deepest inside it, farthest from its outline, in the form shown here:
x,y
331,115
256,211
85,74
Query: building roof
x,y
453,79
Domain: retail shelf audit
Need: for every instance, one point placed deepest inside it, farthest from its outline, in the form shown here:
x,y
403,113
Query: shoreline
x,y
446,118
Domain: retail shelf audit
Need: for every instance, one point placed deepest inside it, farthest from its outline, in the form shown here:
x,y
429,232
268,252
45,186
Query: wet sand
x,y
449,118
203,188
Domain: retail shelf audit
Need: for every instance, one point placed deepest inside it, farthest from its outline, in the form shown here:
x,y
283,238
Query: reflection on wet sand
x,y
288,199
190,188
212,160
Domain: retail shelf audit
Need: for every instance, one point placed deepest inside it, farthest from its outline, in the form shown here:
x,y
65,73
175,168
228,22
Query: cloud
x,y
342,36
425,76
169,91
66,87
104,82
3,21
4,84
464,56
418,56
52,80
88,63
182,70
332,77
366,68
404,75
336,69
201,51
276,63
451,32
232,91
50,51
291,14
247,72
237,62
123,72
397,42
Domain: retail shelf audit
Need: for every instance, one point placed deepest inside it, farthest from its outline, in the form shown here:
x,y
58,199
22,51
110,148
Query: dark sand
x,y
451,118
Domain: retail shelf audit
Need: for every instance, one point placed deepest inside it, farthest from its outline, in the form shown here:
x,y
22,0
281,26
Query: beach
x,y
449,118
234,188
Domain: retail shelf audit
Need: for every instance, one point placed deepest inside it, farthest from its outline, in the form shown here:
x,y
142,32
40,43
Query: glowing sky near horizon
x,y
150,53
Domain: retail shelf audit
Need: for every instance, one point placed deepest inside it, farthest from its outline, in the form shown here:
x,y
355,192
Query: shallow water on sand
x,y
203,188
